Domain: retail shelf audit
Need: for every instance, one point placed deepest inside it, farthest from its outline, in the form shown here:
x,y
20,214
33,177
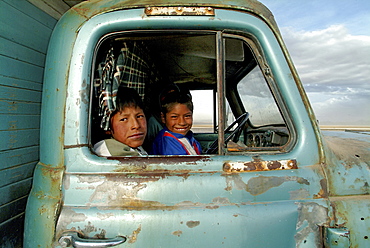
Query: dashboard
x,y
266,138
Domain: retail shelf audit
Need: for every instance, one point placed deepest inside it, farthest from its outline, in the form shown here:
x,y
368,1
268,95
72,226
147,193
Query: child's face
x,y
179,119
129,126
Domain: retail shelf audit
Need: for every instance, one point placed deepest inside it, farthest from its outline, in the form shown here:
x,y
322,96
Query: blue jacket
x,y
168,143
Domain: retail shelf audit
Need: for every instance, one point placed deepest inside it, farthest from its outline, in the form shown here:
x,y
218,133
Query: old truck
x,y
267,177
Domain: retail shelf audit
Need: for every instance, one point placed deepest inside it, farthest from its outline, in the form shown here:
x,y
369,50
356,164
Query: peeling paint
x,y
311,215
261,184
84,93
221,200
105,215
66,218
69,216
299,194
133,237
192,223
113,191
323,193
89,228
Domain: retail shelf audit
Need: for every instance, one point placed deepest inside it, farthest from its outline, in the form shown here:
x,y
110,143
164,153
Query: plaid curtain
x,y
132,67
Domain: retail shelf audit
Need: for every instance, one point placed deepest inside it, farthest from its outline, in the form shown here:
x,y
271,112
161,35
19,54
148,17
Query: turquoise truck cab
x,y
267,176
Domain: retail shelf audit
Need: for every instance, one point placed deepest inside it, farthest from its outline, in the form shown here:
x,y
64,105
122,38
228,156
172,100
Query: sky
x,y
329,42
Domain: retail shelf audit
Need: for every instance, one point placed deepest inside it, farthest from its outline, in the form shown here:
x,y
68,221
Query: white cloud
x,y
334,67
330,56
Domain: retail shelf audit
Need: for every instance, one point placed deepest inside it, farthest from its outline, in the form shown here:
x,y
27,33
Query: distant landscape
x,y
208,128
345,127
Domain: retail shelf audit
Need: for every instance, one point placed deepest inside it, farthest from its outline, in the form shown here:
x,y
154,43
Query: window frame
x,y
219,99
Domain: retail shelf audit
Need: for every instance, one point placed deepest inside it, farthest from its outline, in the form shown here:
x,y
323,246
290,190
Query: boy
x,y
177,115
127,125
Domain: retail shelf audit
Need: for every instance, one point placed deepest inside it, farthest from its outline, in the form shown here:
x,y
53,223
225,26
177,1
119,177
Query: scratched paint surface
x,y
195,207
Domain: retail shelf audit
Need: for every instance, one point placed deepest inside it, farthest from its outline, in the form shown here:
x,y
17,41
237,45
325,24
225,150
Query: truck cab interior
x,y
226,73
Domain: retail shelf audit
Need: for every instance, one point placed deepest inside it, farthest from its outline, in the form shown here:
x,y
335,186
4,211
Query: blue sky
x,y
329,42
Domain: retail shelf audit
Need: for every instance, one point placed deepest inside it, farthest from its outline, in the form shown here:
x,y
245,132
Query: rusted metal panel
x,y
142,197
43,205
336,237
351,218
347,166
203,227
260,166
187,11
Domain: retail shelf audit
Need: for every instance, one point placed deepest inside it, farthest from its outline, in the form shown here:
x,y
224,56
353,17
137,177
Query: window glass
x,y
258,100
203,111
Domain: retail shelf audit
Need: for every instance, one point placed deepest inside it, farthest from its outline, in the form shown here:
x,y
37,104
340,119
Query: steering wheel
x,y
241,120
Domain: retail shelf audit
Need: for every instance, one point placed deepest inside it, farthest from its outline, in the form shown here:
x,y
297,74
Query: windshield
x,y
256,96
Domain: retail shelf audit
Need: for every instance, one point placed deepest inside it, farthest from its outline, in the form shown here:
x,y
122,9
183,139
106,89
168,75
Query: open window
x,y
227,75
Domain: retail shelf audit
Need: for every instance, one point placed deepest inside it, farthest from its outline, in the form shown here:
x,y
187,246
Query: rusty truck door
x,y
260,197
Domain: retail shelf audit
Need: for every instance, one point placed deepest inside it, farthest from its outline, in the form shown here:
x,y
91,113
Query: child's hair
x,y
127,97
174,94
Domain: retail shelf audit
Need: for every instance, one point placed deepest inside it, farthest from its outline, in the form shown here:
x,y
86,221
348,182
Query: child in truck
x,y
127,126
177,115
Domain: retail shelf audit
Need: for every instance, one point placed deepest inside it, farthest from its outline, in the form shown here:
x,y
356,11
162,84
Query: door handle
x,y
71,239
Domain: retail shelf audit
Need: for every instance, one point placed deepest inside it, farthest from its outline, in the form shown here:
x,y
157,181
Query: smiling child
x,y
177,115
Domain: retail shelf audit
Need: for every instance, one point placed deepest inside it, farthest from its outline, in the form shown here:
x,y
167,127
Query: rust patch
x,y
91,228
175,11
258,165
163,174
212,206
130,164
177,233
76,146
323,193
221,200
100,235
192,224
54,173
133,237
42,209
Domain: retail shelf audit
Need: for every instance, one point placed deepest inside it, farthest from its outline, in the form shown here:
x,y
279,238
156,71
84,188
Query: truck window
x,y
251,114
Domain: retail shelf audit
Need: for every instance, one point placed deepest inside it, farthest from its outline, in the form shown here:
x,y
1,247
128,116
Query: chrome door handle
x,y
71,239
